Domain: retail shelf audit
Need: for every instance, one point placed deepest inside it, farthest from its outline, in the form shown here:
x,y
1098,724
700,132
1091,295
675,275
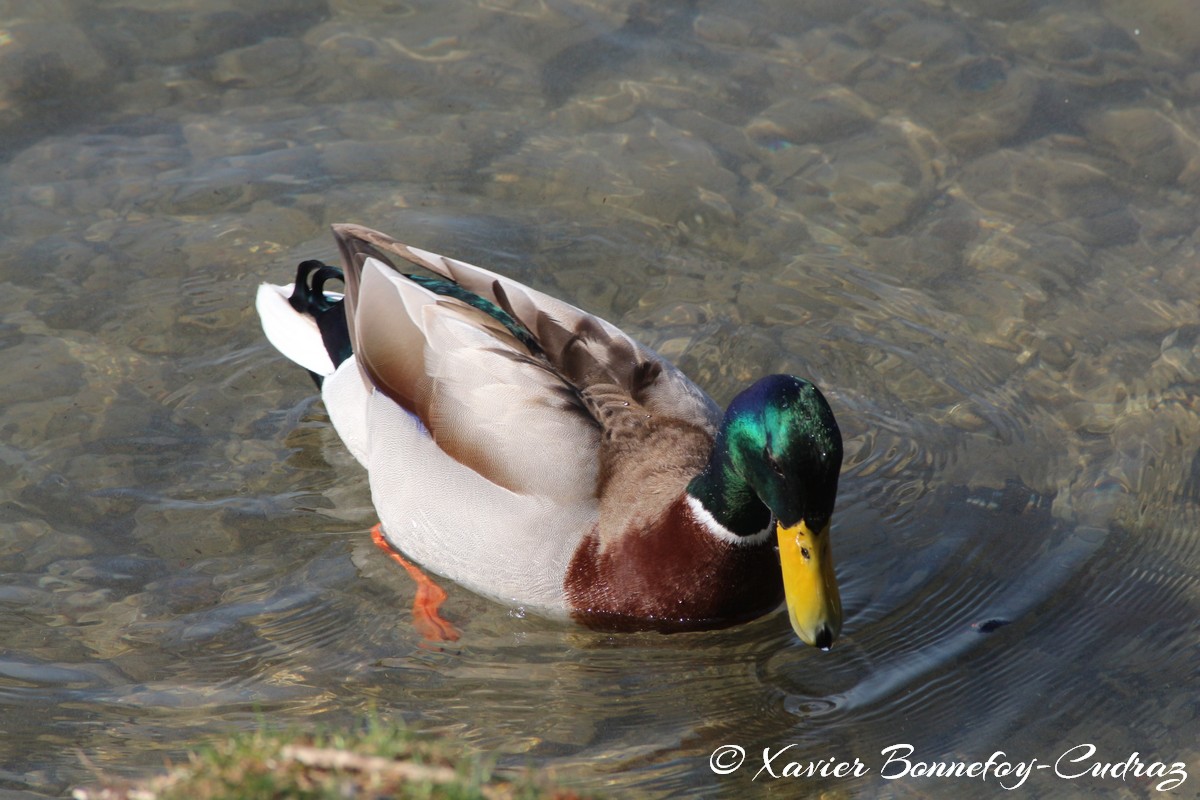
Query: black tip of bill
x,y
824,638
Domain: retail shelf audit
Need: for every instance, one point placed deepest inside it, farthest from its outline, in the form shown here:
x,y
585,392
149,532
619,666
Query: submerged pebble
x,y
1156,148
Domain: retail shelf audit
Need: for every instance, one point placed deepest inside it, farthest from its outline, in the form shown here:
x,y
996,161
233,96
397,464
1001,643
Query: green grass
x,y
379,761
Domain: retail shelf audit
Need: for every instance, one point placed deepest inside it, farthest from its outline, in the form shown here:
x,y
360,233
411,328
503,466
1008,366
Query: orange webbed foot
x,y
426,619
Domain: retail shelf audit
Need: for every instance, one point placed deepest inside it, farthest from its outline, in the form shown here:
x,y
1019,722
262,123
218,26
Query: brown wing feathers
x,y
613,421
585,354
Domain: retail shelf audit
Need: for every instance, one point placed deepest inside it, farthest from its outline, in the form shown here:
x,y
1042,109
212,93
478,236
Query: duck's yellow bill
x,y
809,586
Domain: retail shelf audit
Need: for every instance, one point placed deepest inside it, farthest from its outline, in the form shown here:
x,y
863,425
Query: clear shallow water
x,y
974,225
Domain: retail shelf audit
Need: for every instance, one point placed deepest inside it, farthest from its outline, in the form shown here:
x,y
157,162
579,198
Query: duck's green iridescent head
x,y
780,442
784,441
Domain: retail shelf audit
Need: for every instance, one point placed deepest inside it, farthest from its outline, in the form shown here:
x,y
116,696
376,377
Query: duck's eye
x,y
769,457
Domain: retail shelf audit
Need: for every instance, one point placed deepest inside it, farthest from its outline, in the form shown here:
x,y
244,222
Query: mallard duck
x,y
536,454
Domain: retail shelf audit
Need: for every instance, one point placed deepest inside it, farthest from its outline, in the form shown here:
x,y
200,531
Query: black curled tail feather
x,y
309,297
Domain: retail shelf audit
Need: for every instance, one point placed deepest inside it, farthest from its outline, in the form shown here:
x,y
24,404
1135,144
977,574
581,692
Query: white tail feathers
x,y
294,334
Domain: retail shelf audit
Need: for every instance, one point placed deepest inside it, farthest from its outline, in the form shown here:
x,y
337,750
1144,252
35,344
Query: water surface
x,y
973,223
